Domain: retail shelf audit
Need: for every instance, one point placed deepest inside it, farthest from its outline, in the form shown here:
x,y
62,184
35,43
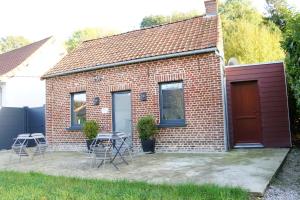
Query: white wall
x,y
25,88
0,96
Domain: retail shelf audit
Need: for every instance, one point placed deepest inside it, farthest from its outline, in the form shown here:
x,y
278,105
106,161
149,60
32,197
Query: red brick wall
x,y
202,95
211,6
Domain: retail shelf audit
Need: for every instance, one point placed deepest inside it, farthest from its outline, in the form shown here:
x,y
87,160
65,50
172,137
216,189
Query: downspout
x,y
287,103
225,104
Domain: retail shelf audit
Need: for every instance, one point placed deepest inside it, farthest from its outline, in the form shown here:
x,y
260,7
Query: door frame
x,y
113,107
260,129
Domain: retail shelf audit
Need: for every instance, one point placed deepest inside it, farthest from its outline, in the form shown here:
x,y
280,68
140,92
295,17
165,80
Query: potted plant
x,y
147,129
90,130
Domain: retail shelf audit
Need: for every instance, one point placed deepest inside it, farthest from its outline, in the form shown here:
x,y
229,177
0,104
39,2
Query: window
x,y
78,109
171,104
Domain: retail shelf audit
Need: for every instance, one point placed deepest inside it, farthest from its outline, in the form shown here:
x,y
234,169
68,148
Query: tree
x,y
291,46
247,36
251,43
234,10
12,42
153,20
278,12
86,34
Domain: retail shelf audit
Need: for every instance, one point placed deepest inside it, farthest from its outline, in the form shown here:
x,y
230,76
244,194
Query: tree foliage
x,y
247,36
153,20
12,42
235,10
251,43
279,12
288,21
86,34
291,45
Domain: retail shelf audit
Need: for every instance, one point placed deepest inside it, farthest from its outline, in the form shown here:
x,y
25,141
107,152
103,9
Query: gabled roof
x,y
12,59
187,35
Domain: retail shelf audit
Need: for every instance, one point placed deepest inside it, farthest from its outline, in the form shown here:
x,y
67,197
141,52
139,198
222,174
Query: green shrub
x,y
146,127
90,129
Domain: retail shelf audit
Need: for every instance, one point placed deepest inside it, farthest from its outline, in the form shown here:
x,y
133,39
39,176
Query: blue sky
x,y
37,19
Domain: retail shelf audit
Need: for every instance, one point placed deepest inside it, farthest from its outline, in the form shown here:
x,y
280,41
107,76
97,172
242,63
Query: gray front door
x,y
121,112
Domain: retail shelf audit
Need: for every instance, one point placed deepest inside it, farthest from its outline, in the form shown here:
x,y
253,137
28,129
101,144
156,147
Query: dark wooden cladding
x,y
246,112
272,97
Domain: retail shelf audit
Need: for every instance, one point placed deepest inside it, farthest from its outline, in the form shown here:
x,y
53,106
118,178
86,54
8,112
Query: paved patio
x,y
249,169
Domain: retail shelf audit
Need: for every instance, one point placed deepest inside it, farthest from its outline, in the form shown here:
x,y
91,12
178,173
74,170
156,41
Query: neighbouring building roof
x,y
187,35
12,59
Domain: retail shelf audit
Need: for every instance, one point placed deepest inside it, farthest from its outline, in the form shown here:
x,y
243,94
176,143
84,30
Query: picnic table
x,y
111,143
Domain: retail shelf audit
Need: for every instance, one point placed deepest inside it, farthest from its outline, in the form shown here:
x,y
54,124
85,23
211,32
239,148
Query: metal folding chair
x,y
19,145
126,148
101,149
101,152
41,144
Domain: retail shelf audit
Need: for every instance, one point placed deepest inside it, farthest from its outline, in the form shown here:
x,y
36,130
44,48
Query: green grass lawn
x,y
14,185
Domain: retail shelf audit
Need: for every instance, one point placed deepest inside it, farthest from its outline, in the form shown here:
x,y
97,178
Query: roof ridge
x,y
46,39
145,28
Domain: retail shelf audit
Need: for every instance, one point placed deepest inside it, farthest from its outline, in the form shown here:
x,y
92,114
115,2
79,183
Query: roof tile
x,y
196,33
12,59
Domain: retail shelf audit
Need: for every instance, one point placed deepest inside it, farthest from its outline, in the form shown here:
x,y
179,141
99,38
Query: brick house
x,y
173,71
137,70
21,69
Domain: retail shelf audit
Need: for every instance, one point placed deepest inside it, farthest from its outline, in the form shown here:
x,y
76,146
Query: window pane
x,y
172,101
79,108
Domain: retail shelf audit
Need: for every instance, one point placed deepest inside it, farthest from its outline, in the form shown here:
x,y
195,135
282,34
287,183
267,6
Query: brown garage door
x,y
246,113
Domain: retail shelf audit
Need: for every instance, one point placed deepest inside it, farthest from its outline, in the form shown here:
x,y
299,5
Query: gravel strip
x,y
286,185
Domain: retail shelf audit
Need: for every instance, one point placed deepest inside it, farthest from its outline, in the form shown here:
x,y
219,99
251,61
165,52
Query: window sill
x,y
171,125
74,128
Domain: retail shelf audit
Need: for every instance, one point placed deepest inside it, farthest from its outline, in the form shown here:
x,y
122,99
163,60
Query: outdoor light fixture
x,y
143,96
98,78
96,101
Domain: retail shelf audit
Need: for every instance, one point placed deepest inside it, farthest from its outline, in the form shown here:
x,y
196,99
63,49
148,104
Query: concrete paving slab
x,y
251,169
